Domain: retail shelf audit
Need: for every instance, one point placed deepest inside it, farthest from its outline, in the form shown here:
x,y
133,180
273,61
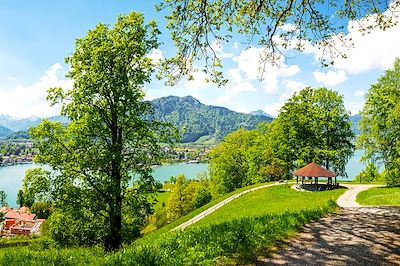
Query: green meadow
x,y
380,196
236,233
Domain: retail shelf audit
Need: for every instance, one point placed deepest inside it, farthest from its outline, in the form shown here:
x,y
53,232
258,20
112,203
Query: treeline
x,y
313,126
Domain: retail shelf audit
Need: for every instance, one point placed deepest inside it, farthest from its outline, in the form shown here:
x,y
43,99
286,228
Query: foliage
x,y
198,27
3,198
186,196
369,174
35,187
380,124
202,197
196,120
238,160
313,126
42,209
102,158
380,196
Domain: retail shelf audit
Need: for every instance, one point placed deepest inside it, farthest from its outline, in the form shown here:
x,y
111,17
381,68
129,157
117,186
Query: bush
x,y
369,174
202,197
42,209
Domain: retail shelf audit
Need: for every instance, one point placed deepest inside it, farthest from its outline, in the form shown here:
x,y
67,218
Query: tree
x,y
237,160
102,158
313,126
274,25
35,187
380,124
3,198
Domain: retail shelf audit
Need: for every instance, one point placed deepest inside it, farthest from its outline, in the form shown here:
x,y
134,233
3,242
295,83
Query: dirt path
x,y
355,236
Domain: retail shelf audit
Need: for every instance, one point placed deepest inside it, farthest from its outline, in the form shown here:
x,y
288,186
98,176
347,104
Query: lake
x,y
11,176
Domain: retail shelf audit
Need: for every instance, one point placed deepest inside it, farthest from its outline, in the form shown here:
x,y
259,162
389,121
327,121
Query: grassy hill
x,y
249,225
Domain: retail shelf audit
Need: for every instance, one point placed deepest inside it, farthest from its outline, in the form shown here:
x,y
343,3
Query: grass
x,y
357,182
229,241
232,242
206,140
380,196
165,229
160,198
272,200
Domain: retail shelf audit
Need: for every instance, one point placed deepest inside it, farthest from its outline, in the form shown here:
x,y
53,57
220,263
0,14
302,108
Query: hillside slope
x,y
4,131
194,119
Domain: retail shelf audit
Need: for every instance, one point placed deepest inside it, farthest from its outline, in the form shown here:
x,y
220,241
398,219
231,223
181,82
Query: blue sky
x,y
35,36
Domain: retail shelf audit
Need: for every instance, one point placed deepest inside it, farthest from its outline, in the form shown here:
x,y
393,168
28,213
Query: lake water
x,y
11,176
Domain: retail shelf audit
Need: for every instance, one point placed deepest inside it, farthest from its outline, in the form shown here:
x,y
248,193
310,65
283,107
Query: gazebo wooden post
x,y
335,182
316,182
297,179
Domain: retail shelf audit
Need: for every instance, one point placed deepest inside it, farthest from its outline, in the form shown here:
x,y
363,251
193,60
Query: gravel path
x,y
355,236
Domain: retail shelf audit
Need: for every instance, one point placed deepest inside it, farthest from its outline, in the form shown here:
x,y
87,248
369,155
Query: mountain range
x,y
193,119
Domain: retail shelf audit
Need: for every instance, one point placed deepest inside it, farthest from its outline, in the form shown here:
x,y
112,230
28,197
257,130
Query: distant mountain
x,y
4,131
195,119
17,124
23,124
261,113
354,120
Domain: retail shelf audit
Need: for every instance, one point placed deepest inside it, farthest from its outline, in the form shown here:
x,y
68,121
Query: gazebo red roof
x,y
314,170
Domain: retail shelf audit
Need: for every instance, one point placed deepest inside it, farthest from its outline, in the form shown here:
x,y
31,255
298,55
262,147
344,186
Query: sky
x,y
36,36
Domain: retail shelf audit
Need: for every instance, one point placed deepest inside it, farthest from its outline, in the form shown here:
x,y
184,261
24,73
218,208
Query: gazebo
x,y
314,170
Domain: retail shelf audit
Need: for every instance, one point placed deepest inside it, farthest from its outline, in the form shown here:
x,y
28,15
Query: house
x,y
20,222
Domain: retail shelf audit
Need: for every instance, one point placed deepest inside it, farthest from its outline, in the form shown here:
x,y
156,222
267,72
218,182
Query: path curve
x,y
356,235
348,198
220,204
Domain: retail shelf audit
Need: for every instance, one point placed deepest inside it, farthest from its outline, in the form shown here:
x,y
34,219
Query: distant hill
x,y
4,131
195,119
354,120
23,124
261,113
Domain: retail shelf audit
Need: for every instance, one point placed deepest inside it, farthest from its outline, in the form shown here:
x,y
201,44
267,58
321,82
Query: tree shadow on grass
x,y
355,236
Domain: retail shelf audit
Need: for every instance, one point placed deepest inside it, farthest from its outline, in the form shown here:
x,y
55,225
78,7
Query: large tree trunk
x,y
114,238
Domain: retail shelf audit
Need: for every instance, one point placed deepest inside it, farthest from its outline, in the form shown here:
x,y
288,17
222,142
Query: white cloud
x,y
248,63
156,55
218,49
359,93
235,89
270,84
24,101
292,87
273,109
199,81
330,78
375,50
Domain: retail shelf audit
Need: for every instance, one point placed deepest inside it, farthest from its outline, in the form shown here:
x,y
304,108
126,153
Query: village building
x,y
20,222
